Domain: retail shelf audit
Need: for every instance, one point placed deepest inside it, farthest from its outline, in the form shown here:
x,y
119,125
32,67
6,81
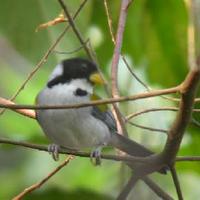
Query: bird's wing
x,y
106,117
131,147
103,113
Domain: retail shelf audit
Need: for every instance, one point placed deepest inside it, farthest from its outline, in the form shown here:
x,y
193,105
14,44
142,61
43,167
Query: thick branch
x,y
188,90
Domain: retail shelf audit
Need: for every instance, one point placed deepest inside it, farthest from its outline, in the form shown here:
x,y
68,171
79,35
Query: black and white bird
x,y
72,82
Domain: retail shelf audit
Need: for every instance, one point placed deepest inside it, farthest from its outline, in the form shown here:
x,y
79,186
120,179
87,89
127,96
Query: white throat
x,y
65,93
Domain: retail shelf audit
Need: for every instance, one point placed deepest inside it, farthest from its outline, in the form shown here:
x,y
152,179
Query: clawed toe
x,y
95,156
53,149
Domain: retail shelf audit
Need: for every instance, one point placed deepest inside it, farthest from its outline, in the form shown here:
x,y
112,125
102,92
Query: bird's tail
x,y
131,147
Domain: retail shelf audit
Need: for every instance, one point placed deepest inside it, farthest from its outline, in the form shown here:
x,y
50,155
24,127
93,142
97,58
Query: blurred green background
x,y
155,45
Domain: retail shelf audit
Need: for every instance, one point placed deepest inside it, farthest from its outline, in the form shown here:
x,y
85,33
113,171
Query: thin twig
x,y
174,109
118,45
187,158
162,194
128,187
135,75
148,128
26,112
132,115
195,122
75,153
115,62
109,19
72,51
75,29
127,65
88,48
191,39
195,11
116,112
124,158
176,183
92,103
168,155
43,181
45,57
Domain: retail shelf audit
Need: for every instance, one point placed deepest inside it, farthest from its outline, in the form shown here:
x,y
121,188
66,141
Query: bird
x,y
93,127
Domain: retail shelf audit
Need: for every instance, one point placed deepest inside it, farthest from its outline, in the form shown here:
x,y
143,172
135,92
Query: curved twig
x,y
43,181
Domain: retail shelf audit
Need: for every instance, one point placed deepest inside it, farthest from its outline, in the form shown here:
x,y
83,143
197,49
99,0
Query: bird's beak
x,y
96,78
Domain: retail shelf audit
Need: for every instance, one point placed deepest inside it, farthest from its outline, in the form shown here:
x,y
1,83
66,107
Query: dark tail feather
x,y
132,148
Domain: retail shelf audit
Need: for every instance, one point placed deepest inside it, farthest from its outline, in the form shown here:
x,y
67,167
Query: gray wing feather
x,y
129,146
107,117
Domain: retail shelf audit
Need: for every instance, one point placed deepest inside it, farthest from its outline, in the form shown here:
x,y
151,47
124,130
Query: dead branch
x,y
43,181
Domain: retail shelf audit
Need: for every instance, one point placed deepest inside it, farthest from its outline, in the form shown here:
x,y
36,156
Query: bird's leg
x,y
53,150
95,156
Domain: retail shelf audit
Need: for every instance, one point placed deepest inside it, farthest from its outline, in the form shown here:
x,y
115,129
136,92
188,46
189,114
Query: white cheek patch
x,y
83,84
56,72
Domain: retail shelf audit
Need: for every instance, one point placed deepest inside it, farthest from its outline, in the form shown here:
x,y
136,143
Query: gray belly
x,y
74,129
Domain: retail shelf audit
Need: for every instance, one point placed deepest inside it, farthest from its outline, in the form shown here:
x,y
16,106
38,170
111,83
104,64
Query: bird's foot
x,y
95,156
53,150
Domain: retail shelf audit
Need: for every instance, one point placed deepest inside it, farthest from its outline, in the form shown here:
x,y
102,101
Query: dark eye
x,y
84,66
80,92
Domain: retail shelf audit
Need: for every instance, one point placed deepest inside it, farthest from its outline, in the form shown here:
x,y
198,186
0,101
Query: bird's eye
x,y
80,92
83,67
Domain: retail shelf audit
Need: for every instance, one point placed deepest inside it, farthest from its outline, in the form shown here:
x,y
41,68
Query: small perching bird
x,y
72,81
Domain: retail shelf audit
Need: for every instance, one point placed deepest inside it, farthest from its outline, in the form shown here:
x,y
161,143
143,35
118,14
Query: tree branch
x,y
118,45
162,194
75,29
75,153
117,114
153,93
132,115
45,57
175,135
26,112
43,181
176,183
115,62
148,128
187,158
128,187
196,13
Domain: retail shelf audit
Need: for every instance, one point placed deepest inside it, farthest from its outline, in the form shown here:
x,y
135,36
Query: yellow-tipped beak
x,y
96,78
